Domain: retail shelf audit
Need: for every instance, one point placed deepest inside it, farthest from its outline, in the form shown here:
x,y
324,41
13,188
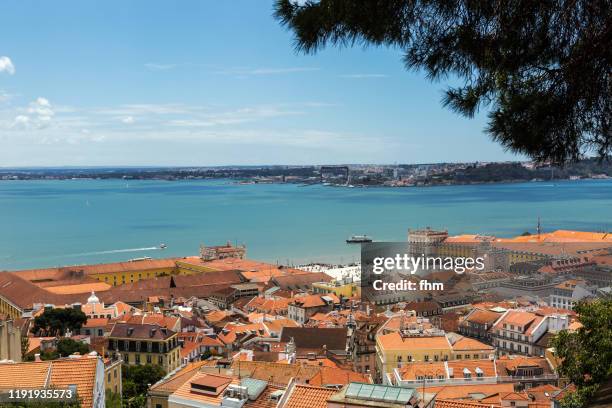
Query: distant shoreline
x,y
354,176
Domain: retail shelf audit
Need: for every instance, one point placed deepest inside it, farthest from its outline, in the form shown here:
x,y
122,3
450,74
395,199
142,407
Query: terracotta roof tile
x,y
394,341
60,373
306,396
449,403
468,391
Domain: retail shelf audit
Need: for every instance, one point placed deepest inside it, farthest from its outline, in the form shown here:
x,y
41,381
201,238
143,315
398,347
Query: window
x,y
160,360
426,357
148,359
138,359
108,377
475,356
126,358
458,356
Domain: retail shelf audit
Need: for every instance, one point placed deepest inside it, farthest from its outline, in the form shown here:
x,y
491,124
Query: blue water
x,y
50,223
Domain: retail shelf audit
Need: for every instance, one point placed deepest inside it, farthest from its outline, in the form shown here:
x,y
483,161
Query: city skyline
x,y
131,85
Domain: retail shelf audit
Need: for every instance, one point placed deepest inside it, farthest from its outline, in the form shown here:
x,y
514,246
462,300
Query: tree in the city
x,y
586,354
57,322
542,70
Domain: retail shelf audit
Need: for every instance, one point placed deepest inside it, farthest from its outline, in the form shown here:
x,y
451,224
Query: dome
x,y
93,298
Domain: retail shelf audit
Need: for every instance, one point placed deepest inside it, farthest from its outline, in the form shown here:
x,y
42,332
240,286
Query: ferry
x,y
358,239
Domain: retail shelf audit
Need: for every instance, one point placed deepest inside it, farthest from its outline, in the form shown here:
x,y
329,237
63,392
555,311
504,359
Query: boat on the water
x,y
163,246
358,239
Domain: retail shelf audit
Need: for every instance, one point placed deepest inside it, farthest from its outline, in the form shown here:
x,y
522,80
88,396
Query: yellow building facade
x,y
143,344
346,290
394,349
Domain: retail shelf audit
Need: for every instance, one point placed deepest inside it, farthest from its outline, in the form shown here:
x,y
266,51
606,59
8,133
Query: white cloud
x,y
128,120
39,114
6,65
364,76
41,107
152,66
21,121
264,71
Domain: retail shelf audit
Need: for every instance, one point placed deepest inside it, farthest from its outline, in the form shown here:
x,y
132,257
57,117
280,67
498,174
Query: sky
x,y
209,83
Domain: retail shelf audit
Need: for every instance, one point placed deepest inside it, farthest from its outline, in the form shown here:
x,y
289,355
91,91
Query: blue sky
x,y
209,83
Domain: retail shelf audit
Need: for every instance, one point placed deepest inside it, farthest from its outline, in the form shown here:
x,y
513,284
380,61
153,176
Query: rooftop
x,y
307,396
141,331
395,341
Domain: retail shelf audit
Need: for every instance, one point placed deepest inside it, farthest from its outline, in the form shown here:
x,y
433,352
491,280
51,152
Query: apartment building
x,y
566,294
395,348
478,323
518,331
140,344
301,308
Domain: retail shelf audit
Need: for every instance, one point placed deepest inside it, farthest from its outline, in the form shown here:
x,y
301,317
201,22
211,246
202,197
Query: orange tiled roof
x,y
188,347
483,316
467,391
58,373
395,322
394,341
79,288
264,400
507,364
79,371
487,367
231,331
276,326
468,344
307,396
521,318
275,373
24,375
410,371
220,381
451,403
333,376
173,383
60,272
313,300
96,322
